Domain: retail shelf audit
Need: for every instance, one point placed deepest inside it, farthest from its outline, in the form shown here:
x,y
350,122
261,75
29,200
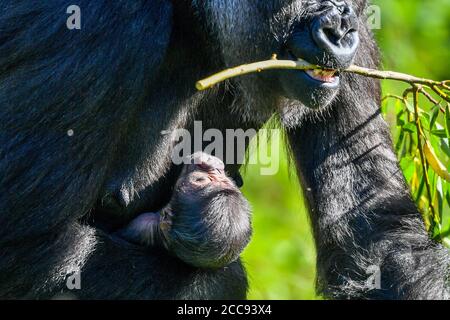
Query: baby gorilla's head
x,y
209,218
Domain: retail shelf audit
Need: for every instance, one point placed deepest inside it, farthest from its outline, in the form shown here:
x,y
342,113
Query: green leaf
x,y
447,197
409,106
445,147
439,133
398,106
400,140
425,119
420,190
447,120
408,167
426,116
434,115
400,114
410,127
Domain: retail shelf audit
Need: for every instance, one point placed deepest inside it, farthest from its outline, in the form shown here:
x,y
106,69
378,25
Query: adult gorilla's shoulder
x,y
54,80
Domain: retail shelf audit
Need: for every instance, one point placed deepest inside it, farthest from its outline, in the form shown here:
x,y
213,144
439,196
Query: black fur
x,y
129,74
104,82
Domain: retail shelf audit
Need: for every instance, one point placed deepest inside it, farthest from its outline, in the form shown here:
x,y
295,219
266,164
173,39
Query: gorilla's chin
x,y
311,89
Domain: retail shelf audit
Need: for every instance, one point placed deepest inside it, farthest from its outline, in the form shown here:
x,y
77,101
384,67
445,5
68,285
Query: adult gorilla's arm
x,y
90,81
53,80
361,210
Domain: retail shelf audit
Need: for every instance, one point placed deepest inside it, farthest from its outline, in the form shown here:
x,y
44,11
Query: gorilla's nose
x,y
336,32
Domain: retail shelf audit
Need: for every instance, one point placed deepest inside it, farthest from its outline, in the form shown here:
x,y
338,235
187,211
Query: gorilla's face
x,y
322,32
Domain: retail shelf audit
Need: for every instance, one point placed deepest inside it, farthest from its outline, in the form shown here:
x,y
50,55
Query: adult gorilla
x,y
129,74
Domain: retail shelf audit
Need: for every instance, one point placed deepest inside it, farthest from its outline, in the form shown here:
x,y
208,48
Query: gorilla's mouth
x,y
314,88
326,76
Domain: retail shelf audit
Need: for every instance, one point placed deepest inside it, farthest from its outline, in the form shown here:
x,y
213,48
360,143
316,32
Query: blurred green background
x,y
414,38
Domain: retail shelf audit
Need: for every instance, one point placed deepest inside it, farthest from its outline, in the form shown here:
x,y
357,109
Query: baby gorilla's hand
x,y
206,223
149,229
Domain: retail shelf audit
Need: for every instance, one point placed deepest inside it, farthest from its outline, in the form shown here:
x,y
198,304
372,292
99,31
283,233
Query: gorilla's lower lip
x,y
330,83
314,88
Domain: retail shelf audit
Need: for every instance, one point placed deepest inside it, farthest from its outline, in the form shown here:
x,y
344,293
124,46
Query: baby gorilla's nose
x,y
206,162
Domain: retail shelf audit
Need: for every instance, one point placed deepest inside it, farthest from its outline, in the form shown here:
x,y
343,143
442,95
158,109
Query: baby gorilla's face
x,y
201,178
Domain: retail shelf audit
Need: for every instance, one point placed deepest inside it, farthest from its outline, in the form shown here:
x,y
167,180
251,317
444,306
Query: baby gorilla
x,y
207,221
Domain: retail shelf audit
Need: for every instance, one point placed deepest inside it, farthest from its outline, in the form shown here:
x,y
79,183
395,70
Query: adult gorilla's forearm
x,y
361,209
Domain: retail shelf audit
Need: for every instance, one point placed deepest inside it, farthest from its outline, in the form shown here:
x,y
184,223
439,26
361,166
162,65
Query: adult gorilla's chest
x,y
142,176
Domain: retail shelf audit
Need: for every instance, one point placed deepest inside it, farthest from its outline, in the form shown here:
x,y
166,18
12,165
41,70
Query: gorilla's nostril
x,y
337,24
334,35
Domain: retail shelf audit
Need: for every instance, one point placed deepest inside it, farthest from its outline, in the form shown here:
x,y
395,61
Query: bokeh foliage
x,y
418,43
415,39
